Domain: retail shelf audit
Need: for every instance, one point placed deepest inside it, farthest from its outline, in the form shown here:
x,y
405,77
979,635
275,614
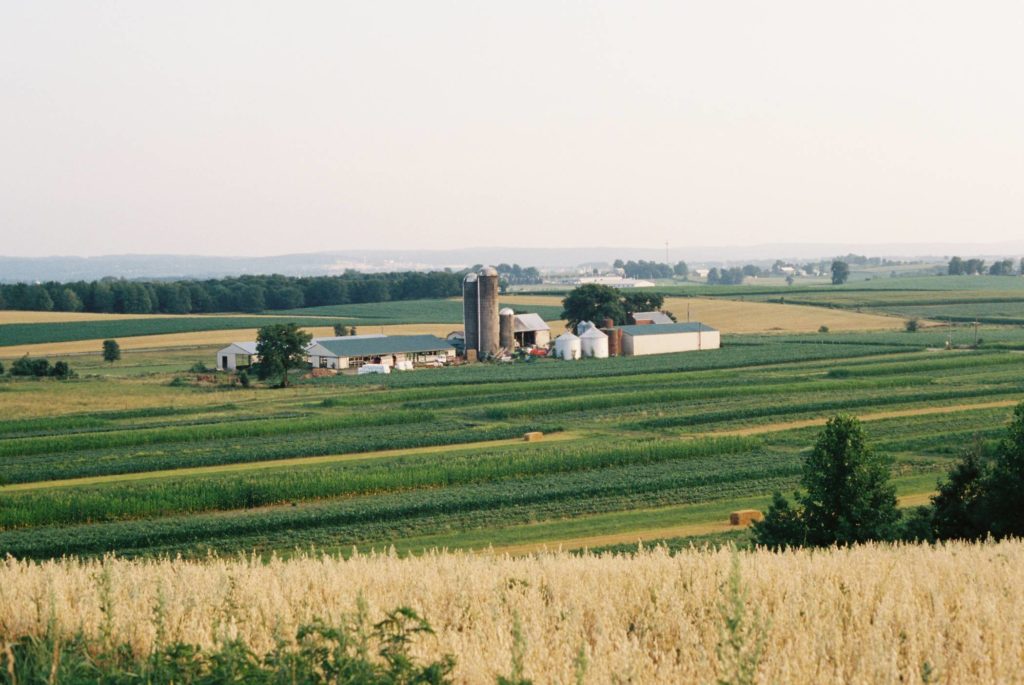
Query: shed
x,y
641,318
237,355
531,331
594,343
354,351
567,346
664,338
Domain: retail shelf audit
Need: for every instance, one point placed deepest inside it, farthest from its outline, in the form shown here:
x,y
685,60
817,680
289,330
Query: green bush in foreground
x,y
322,654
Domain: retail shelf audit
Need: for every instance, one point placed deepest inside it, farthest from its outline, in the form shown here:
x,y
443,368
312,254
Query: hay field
x,y
734,316
870,614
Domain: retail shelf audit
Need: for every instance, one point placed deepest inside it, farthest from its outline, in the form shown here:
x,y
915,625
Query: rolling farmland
x,y
149,460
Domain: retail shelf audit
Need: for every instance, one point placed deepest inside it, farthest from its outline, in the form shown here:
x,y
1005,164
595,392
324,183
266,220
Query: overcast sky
x,y
247,128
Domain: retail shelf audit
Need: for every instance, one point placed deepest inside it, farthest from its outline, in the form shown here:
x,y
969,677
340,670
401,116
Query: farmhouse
x,y
531,331
354,351
662,338
238,355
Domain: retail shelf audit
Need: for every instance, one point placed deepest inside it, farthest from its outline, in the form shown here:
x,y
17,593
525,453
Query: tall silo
x,y
488,312
471,312
507,329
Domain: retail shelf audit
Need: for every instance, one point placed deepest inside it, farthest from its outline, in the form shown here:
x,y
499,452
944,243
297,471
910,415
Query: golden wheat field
x,y
872,614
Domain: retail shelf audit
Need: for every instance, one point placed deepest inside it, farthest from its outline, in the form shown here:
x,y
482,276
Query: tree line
x,y
976,267
232,294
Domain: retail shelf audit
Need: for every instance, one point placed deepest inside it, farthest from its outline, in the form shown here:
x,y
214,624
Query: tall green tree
x,y
956,266
846,494
840,272
111,351
281,347
958,508
593,302
1005,484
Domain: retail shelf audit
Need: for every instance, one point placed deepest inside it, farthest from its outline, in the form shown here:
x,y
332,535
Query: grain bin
x,y
584,326
567,346
471,312
488,311
594,343
507,329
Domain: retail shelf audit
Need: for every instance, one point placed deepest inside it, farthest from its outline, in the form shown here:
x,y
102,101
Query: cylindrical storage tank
x,y
609,323
612,342
471,312
618,342
594,344
567,346
489,327
507,329
584,326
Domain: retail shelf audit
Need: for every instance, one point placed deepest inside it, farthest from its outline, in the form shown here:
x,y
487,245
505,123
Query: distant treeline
x,y
235,294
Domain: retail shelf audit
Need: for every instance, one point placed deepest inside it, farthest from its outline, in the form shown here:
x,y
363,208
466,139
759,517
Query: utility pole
x,y
666,252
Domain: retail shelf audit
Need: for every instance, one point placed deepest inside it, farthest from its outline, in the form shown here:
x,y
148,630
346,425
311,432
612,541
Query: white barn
x,y
665,338
237,355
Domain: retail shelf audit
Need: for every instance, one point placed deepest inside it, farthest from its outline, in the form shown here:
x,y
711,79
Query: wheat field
x,y
872,614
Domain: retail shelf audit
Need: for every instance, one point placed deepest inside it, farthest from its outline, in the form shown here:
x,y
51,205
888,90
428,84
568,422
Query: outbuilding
x,y
237,355
642,318
664,338
531,331
354,351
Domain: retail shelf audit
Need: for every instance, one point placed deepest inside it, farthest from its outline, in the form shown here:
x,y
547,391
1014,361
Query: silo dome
x,y
507,311
488,271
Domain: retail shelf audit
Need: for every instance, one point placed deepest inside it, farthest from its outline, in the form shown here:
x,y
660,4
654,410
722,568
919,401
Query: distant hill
x,y
60,268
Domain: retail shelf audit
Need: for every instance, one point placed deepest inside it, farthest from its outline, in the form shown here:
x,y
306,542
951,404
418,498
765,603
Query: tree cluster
x,y
840,272
40,368
643,269
731,276
595,302
847,498
513,274
976,267
235,294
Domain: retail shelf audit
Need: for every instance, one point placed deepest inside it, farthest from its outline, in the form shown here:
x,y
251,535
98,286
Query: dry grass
x,y
733,316
870,614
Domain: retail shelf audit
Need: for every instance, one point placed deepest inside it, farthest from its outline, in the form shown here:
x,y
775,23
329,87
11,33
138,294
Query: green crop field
x,y
125,458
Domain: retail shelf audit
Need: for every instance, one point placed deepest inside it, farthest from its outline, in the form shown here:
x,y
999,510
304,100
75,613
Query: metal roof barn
x,y
341,353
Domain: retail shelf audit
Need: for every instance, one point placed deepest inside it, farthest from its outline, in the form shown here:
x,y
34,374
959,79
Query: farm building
x,y
642,318
354,351
238,355
531,331
662,338
594,343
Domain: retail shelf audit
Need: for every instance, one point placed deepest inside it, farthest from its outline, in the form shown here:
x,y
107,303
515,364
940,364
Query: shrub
x,y
823,329
243,378
26,366
911,325
199,367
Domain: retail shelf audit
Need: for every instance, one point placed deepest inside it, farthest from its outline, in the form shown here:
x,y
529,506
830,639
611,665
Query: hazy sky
x,y
263,128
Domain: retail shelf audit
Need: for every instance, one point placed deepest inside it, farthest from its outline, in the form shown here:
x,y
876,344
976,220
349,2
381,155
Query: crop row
x,y
235,429
174,456
382,517
818,407
164,497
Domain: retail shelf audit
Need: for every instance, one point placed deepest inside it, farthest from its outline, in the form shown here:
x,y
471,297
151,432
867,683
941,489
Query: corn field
x,y
873,614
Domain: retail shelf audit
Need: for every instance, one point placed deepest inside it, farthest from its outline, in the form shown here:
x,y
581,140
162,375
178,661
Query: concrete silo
x,y
487,318
471,312
594,343
507,329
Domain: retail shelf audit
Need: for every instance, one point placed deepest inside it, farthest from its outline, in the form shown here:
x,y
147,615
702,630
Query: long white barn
x,y
669,337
